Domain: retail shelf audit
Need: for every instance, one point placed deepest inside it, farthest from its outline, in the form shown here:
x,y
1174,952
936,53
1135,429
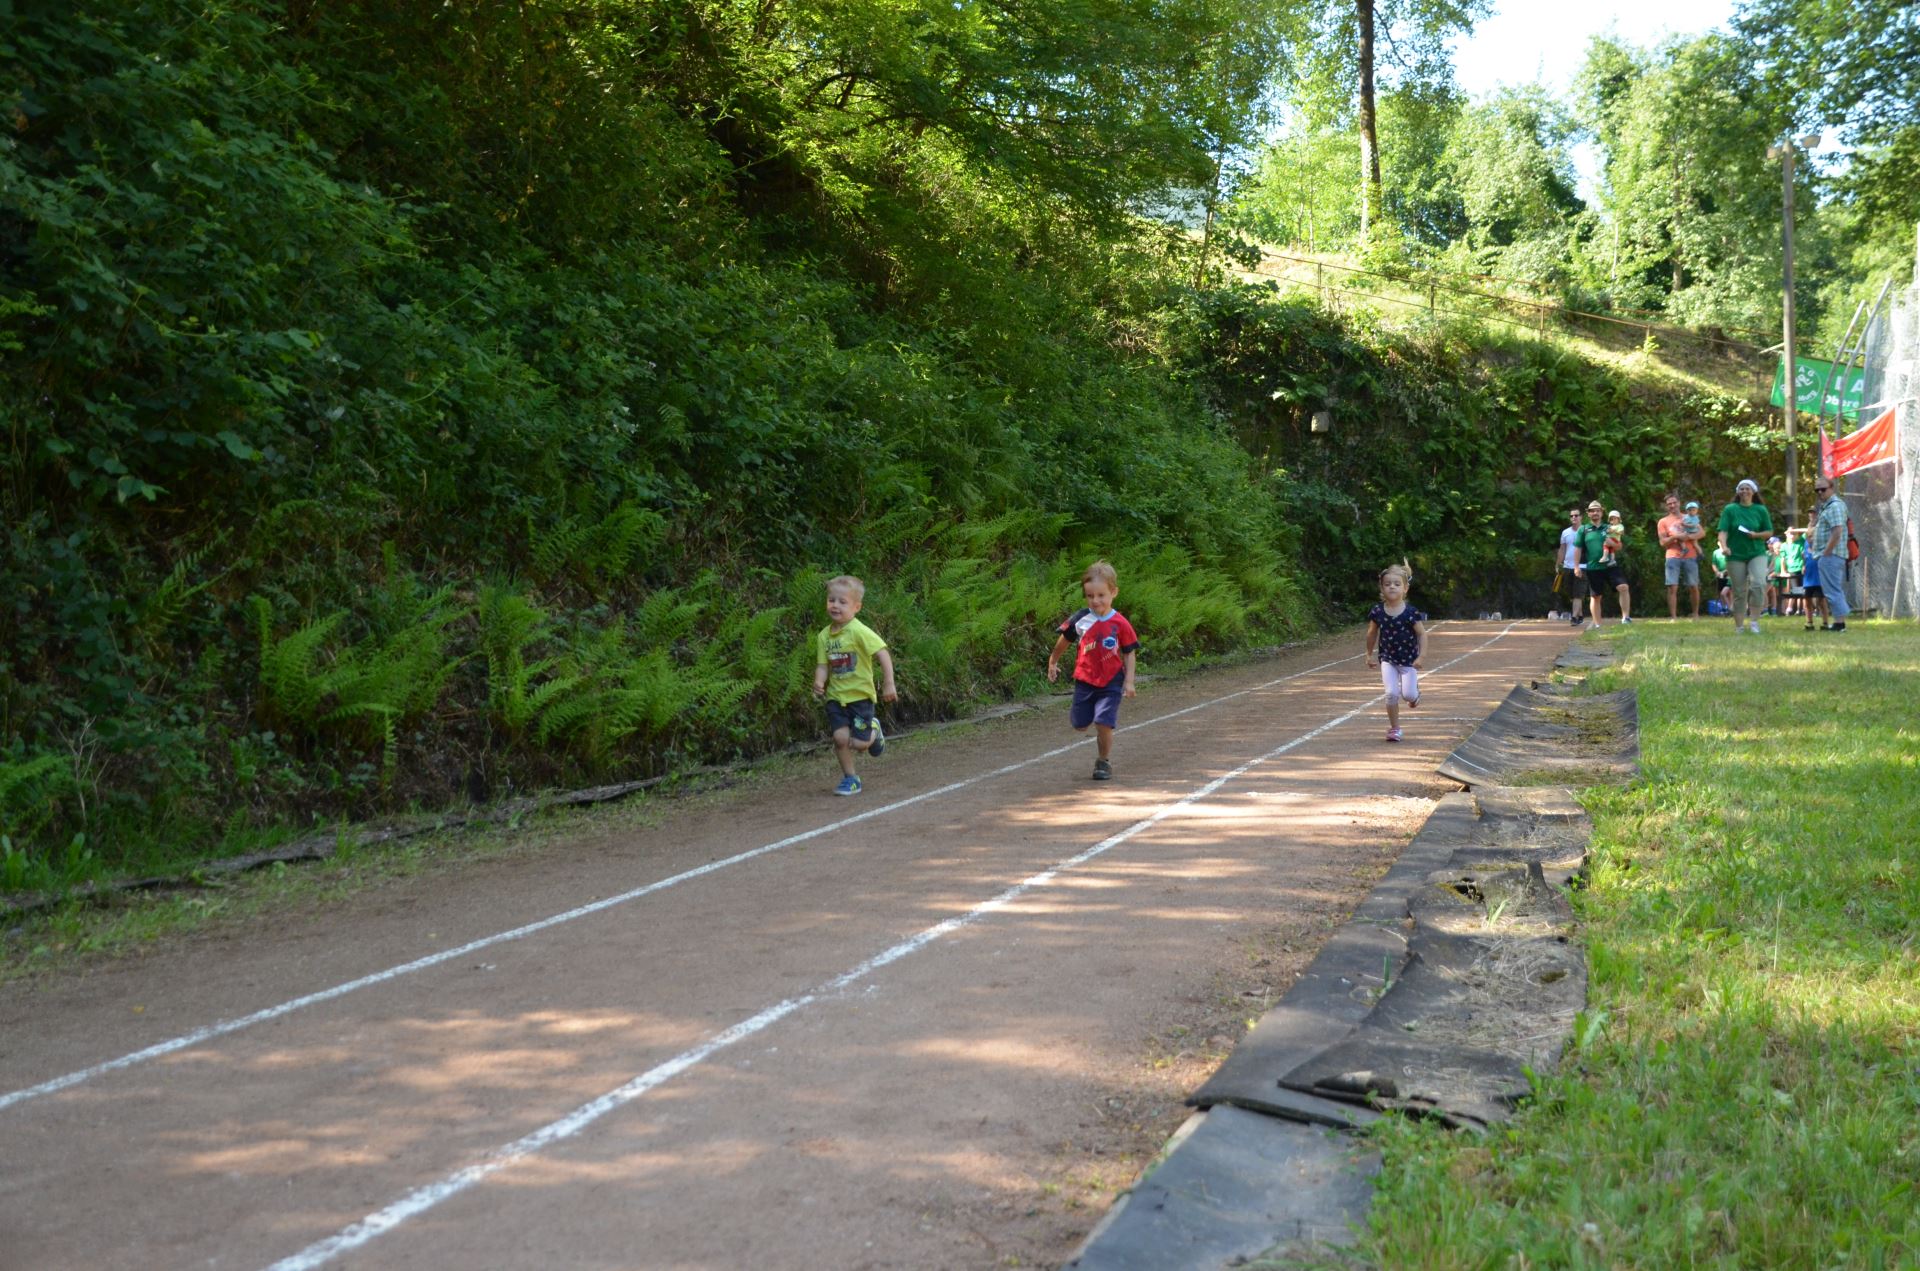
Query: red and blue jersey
x,y
1104,644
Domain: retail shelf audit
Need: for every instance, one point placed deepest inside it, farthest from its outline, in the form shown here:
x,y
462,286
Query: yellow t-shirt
x,y
848,656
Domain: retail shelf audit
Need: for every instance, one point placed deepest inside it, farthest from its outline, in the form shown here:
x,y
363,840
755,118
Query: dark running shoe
x,y
1102,770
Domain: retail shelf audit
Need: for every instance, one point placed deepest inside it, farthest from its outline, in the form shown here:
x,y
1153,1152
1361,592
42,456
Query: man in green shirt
x,y
1745,526
1601,574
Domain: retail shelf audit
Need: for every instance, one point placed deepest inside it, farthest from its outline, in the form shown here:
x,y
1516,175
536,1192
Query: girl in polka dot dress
x,y
1396,643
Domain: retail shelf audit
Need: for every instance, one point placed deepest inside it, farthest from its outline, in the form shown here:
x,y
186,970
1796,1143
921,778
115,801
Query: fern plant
x,y
358,693
31,790
596,551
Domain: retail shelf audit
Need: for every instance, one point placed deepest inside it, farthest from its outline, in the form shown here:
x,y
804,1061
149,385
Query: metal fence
x,y
1884,501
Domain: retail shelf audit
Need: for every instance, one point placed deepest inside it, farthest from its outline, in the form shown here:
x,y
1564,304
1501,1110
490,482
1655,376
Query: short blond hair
x,y
1100,571
1403,570
848,583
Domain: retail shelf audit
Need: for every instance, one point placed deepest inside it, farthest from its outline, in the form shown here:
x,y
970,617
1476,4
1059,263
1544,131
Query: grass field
x,y
1745,1086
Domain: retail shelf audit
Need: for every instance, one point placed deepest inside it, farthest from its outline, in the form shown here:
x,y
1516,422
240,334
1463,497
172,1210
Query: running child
x,y
1103,667
843,675
1397,643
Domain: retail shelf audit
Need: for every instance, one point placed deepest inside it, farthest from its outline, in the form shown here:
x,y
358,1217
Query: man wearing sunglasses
x,y
1827,540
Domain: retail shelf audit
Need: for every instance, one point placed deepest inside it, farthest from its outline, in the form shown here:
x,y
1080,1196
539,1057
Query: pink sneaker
x,y
1393,734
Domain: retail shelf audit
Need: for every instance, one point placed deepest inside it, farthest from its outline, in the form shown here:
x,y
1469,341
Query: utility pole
x,y
1784,153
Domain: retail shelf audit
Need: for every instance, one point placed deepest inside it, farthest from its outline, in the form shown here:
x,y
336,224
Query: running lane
x,y
936,1036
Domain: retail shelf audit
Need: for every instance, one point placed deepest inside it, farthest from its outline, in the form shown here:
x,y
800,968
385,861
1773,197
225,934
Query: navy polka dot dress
x,y
1399,642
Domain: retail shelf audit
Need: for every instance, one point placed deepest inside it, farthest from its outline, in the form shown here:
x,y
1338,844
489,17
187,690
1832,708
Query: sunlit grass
x,y
1750,1092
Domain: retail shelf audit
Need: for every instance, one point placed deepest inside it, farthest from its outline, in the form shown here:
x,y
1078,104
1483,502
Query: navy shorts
x,y
855,717
1097,703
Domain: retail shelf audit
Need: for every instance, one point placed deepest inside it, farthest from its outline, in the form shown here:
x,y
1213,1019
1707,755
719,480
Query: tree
x,y
1512,170
1853,68
1301,190
1344,69
1691,200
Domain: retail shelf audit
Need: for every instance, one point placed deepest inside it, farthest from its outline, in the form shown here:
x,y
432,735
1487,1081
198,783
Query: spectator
x,y
1810,579
1572,583
1776,576
1745,525
1720,586
1680,533
1794,556
1595,565
1827,542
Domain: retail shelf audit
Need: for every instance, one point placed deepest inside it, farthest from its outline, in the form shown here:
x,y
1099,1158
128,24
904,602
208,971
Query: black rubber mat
x,y
1583,657
1520,826
1490,990
1341,984
1234,1186
1537,738
1490,903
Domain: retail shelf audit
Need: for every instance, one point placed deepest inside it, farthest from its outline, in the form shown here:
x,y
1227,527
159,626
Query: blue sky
x,y
1520,43
1544,40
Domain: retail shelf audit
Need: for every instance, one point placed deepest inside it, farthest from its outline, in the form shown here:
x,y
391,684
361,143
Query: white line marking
x,y
223,1027
424,1198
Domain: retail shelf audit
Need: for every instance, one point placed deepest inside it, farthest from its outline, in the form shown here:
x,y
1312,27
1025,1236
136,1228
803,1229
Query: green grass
x,y
1745,1087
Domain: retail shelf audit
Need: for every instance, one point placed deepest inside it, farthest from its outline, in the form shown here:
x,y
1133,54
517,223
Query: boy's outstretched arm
x,y
1126,689
884,660
1373,640
1053,659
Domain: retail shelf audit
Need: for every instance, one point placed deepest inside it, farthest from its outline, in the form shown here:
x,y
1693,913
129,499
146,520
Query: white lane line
x,y
424,1198
223,1027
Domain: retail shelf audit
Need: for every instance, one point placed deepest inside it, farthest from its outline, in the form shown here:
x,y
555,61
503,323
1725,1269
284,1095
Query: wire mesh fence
x,y
1884,501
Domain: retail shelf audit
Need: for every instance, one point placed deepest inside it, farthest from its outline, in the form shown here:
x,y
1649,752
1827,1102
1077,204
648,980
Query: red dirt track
x,y
974,1102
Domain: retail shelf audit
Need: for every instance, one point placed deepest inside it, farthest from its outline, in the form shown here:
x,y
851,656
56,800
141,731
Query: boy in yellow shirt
x,y
843,675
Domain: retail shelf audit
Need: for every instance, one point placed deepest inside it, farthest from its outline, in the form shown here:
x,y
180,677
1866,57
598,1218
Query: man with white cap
x,y
1828,540
1596,567
1745,526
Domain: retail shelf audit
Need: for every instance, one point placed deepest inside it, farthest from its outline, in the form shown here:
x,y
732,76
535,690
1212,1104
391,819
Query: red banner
x,y
1861,448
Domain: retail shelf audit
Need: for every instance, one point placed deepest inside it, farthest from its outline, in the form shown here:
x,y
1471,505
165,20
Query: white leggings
x,y
1402,682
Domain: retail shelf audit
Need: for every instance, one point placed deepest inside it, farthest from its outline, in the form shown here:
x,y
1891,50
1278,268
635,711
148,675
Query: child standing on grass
x,y
843,675
1103,667
1397,643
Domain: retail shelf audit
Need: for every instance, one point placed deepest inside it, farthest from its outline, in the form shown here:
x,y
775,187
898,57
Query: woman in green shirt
x,y
1745,526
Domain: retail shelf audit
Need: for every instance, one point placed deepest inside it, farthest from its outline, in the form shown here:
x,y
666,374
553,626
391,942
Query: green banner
x,y
1810,374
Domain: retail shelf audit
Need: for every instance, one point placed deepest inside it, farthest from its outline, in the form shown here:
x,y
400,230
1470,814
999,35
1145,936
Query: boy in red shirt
x,y
1103,667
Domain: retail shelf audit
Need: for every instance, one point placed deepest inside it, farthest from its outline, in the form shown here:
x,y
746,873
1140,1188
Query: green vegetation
x,y
1454,442
406,405
1684,226
1744,1086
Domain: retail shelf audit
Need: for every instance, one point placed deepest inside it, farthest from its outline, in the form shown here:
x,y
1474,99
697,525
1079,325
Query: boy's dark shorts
x,y
1097,703
855,717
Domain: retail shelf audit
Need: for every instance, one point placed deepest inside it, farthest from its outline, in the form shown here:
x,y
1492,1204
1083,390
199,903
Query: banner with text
x,y
1863,448
1811,375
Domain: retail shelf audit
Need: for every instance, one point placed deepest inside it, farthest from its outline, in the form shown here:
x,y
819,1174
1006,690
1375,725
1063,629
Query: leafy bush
x,y
413,400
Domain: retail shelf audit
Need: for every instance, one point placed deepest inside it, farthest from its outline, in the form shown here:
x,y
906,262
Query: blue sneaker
x,y
848,785
879,741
